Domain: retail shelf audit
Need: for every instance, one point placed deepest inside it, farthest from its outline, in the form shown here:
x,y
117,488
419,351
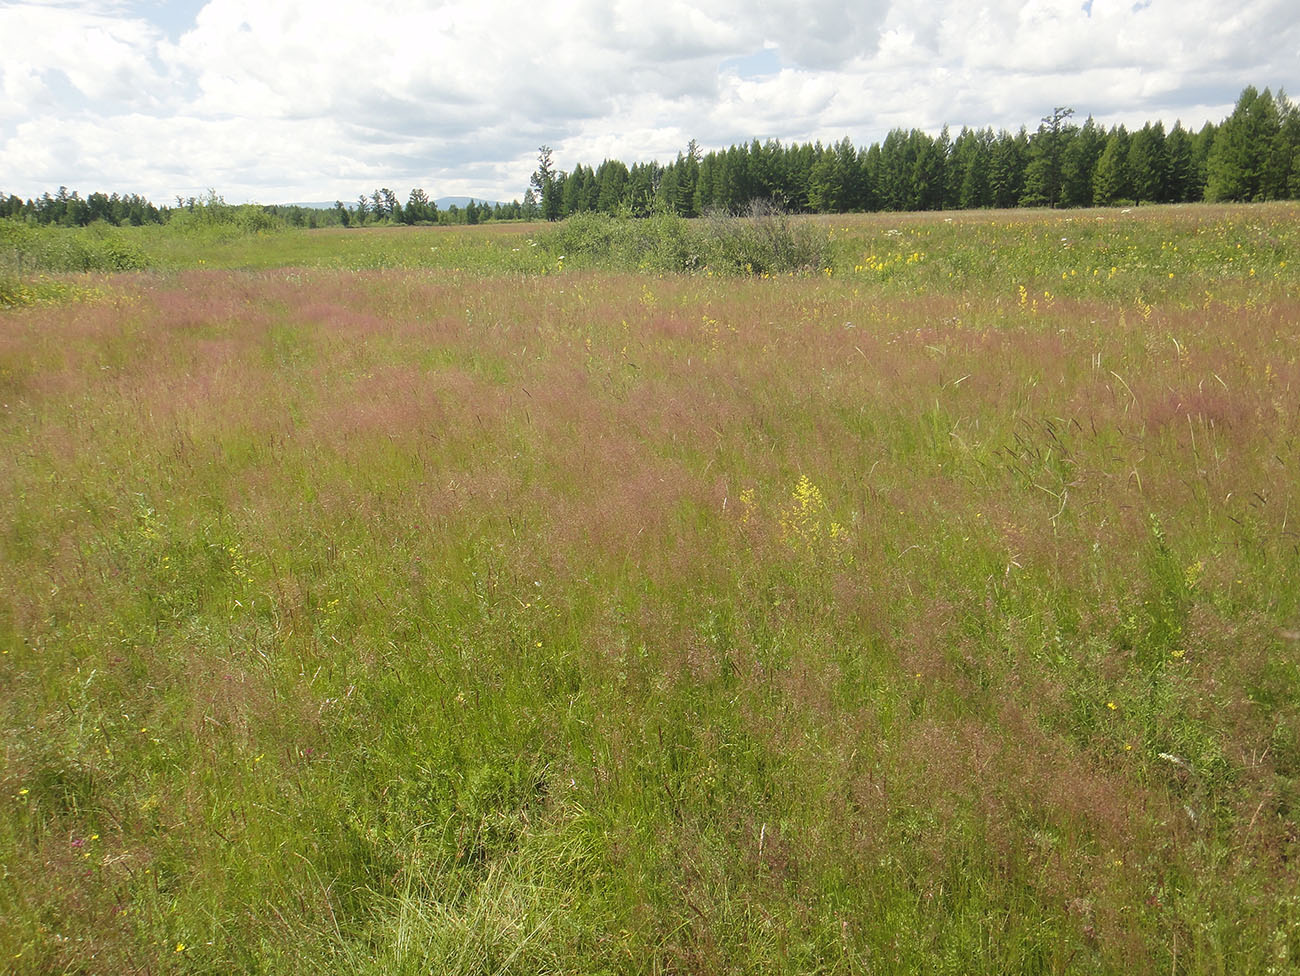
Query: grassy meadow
x,y
481,601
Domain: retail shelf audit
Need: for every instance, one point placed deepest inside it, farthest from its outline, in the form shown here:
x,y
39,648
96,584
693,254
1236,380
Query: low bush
x,y
213,217
99,247
764,239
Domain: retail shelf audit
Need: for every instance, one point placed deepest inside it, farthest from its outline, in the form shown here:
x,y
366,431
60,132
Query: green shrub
x,y
99,247
762,240
214,219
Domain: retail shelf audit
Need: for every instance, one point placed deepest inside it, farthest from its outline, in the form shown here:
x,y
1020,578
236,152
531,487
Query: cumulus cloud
x,y
303,100
53,52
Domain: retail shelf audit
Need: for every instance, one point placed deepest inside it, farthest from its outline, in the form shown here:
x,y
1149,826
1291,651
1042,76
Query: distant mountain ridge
x,y
445,202
442,202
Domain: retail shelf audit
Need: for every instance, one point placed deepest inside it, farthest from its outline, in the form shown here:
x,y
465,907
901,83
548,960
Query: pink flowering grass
x,y
415,618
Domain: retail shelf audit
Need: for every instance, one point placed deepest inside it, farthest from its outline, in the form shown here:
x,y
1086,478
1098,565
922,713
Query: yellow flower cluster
x,y
806,523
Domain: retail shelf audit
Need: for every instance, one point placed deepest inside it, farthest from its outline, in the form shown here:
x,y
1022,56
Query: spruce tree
x,y
1236,168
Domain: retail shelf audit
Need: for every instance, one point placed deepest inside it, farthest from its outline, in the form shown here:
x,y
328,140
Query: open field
x,y
410,601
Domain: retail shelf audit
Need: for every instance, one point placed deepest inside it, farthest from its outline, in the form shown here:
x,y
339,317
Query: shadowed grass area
x,y
453,618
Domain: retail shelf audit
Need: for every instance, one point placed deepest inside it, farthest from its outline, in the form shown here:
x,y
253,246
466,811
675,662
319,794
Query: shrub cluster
x,y
211,217
26,250
762,239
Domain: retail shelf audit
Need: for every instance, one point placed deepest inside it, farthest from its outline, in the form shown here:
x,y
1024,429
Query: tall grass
x,y
455,618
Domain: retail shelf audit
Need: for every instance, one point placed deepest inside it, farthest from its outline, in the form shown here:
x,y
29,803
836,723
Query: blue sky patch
x,y
760,64
175,17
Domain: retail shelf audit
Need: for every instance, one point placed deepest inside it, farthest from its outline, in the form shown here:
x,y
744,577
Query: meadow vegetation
x,y
889,594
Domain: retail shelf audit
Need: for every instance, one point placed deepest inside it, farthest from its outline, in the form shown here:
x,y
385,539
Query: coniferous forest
x,y
1252,155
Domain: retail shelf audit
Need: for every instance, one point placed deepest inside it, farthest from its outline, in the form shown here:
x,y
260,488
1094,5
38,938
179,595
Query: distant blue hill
x,y
445,202
442,202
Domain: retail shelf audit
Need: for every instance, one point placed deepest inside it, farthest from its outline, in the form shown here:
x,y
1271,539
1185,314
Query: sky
x,y
279,101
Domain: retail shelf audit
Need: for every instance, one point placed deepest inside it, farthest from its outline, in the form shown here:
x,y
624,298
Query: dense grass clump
x,y
413,601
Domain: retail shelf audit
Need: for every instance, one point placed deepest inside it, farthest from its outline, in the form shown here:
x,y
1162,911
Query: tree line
x,y
1254,154
383,207
69,209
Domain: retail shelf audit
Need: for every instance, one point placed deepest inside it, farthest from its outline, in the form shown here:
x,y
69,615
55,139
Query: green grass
x,y
413,601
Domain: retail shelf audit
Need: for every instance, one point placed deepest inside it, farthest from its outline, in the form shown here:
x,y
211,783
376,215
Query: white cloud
x,y
308,100
100,57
